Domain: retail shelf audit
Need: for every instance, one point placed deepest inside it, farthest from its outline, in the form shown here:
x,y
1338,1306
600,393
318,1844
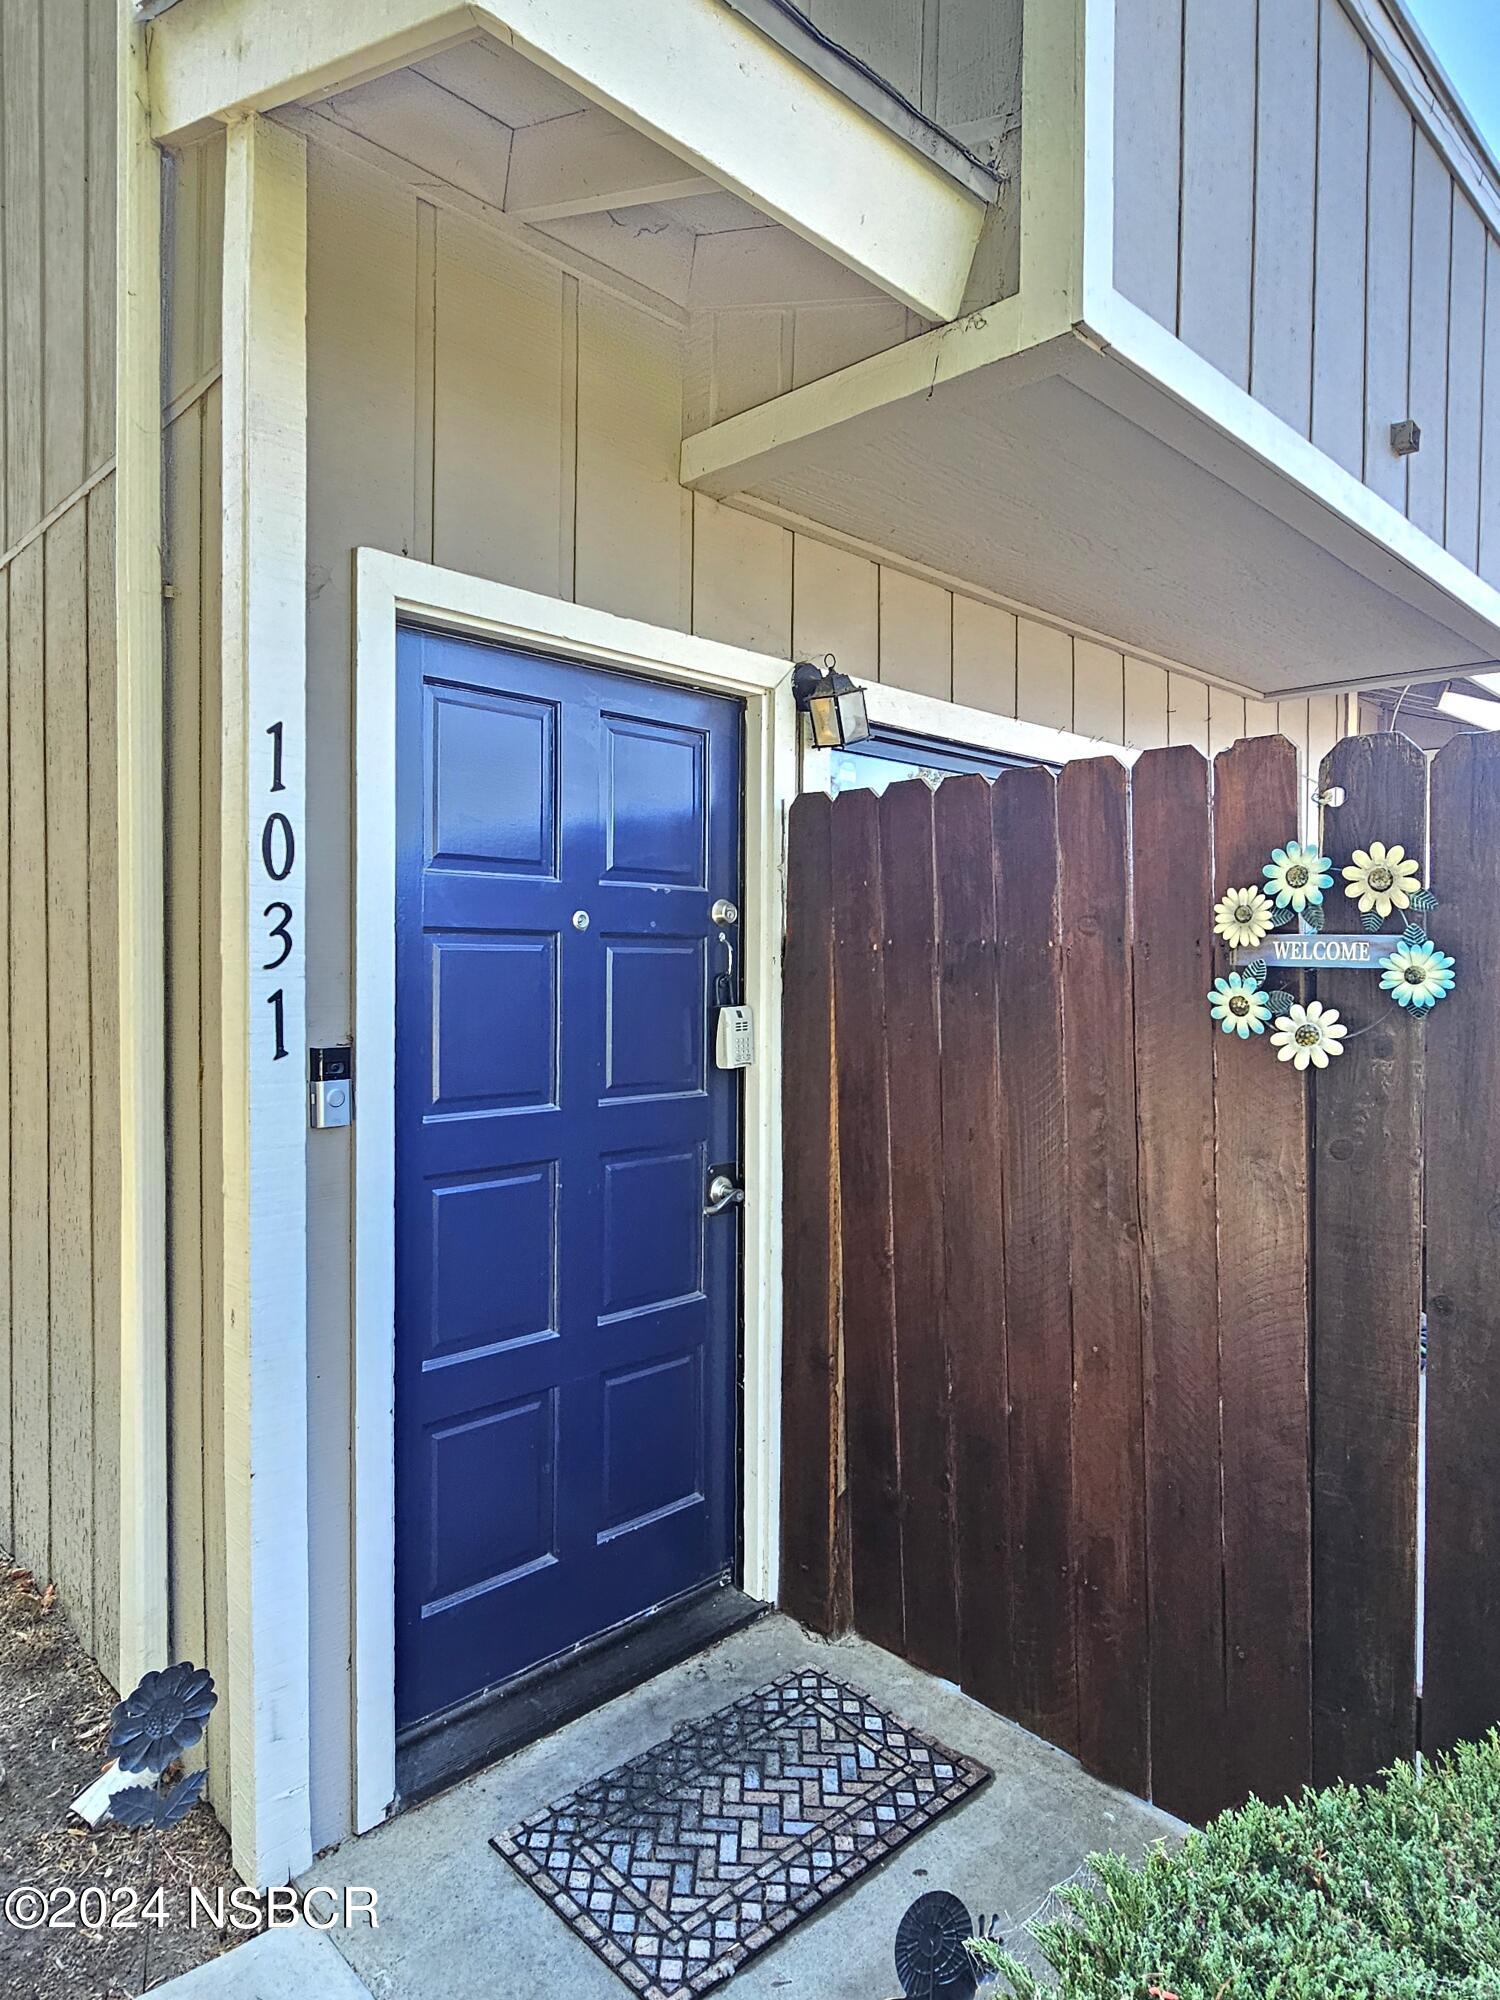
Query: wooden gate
x,y
1102,1334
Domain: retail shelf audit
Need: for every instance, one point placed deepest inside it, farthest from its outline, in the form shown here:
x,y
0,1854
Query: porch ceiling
x,y
1060,477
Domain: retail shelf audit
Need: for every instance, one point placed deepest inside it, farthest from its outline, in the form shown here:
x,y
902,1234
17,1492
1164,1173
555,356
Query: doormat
x,y
682,1864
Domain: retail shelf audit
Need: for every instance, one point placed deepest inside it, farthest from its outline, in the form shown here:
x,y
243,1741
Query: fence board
x,y
1260,1119
1367,1294
1463,1255
865,1253
814,1566
1038,1322
1103,1205
923,1398
1172,884
974,1270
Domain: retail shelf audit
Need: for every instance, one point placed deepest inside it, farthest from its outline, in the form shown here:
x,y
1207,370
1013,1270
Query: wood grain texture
x,y
69,1189
6,1328
103,17
1109,1513
1462,1061
1172,879
30,1296
1034,1237
923,1390
972,1226
814,1513
1367,1290
65,263
22,292
865,1231
1261,1183
104,1003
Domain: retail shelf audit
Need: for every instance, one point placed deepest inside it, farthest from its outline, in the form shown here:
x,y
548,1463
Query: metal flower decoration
x,y
1239,1006
1417,974
153,1808
165,1715
1382,879
1296,876
932,1953
1244,916
1309,1034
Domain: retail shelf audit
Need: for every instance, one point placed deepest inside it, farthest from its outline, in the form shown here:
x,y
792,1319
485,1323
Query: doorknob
x,y
724,1191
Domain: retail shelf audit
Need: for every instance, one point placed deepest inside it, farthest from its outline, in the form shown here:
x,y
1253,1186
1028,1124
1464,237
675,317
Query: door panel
x,y
567,1317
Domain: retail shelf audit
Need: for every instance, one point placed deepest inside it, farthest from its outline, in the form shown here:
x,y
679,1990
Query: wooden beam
x,y
264,979
589,162
755,121
141,890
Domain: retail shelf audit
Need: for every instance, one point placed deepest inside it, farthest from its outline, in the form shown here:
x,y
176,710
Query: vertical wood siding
x,y
1279,208
59,1243
471,406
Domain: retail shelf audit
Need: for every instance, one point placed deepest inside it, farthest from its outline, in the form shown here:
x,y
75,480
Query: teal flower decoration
x,y
1239,1006
1296,876
1417,975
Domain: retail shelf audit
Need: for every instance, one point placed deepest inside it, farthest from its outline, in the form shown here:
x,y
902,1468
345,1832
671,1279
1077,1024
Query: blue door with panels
x,y
567,1312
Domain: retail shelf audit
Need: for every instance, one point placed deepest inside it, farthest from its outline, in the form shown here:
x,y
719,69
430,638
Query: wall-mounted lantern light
x,y
833,704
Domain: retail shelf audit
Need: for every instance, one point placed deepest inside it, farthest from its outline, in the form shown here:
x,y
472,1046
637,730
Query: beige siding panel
x,y
633,521
742,579
827,338
1187,711
1338,420
1292,722
1431,242
835,607
1044,674
1218,180
65,263
1388,309
104,1007
1285,197
30,1298
984,656
69,1108
916,634
1465,381
186,1329
1098,691
6,1524
1145,705
1148,153
1489,483
499,415
195,254
21,57
100,388
752,359
496,484
215,1562
1260,718
1226,719
1323,731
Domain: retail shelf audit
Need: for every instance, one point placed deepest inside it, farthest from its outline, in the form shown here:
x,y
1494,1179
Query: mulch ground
x,y
54,1724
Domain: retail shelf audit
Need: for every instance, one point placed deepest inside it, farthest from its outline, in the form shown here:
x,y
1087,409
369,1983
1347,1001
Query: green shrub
x,y
1387,1893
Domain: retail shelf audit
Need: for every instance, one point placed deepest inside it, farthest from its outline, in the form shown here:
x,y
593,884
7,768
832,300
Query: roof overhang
x,y
698,77
1111,476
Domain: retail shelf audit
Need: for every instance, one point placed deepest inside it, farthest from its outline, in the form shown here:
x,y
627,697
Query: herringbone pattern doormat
x,y
685,1862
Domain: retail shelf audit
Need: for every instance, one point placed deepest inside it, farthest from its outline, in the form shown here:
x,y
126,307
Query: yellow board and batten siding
x,y
59,1016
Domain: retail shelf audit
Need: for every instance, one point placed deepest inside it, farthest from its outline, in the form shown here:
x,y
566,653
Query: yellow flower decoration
x,y
1243,917
1382,880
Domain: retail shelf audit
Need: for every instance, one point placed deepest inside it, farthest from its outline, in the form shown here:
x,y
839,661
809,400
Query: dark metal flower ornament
x,y
154,1809
164,1716
932,1956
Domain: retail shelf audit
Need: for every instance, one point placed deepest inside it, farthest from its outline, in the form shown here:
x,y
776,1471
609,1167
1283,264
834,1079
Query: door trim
x,y
388,588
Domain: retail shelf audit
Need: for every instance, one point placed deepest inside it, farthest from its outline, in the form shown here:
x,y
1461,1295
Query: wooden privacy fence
x,y
1102,1358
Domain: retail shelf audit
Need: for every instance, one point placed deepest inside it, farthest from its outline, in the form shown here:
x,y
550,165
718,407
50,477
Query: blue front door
x,y
567,1315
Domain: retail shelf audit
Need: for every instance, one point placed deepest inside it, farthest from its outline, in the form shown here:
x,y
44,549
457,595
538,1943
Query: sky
x,y
1466,37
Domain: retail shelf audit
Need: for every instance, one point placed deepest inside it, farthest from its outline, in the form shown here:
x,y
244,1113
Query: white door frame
x,y
387,588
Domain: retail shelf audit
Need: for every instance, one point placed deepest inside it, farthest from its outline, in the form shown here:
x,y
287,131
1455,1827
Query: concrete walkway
x,y
457,1923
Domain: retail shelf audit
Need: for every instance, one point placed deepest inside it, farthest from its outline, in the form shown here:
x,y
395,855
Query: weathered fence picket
x,y
1102,1373
1463,1256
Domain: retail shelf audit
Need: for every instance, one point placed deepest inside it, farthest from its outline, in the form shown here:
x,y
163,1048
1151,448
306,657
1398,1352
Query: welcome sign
x,y
1327,950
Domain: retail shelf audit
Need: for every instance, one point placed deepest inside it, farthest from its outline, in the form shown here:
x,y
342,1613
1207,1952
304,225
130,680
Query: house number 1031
x,y
278,851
